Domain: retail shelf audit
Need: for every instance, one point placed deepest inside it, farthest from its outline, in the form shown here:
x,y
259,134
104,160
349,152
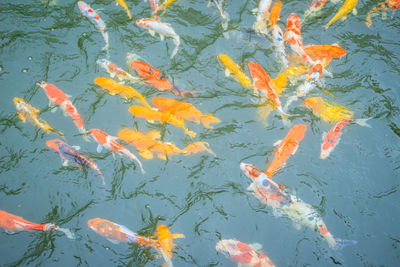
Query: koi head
x,y
19,103
83,6
315,72
311,102
142,23
54,144
326,148
99,135
236,250
94,224
103,63
250,171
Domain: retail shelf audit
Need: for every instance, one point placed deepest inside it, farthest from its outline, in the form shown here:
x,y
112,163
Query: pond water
x,y
204,197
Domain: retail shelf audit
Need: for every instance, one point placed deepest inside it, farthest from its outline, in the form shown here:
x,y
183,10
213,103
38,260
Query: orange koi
x,y
166,239
155,78
327,111
243,254
146,144
154,115
71,154
107,141
126,92
184,111
320,52
262,82
390,4
12,223
274,14
59,98
332,138
286,147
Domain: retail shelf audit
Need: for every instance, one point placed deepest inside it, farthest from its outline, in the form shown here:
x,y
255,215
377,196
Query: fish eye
x,y
255,172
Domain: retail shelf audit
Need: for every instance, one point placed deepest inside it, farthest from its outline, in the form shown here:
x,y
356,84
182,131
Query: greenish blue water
x,y
204,197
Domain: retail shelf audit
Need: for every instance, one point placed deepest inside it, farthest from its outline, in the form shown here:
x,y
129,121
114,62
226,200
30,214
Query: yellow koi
x,y
124,6
166,4
114,87
27,112
348,6
232,67
327,111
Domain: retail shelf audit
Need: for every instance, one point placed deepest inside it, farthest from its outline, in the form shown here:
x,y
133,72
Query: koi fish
x,y
88,12
57,97
154,6
348,6
390,4
156,79
116,71
260,26
12,223
314,76
232,68
163,29
166,240
124,6
243,254
152,115
27,112
319,52
109,142
327,111
184,111
146,144
116,233
273,195
262,82
71,154
274,14
332,138
279,43
126,92
286,147
314,8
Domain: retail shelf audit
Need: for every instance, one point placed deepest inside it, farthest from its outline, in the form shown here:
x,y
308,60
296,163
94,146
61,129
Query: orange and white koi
x,y
116,71
163,29
282,203
332,138
327,111
12,223
348,6
314,8
124,6
109,142
244,254
154,115
71,154
279,43
166,240
156,79
91,14
262,82
184,111
126,92
28,113
147,144
232,68
286,147
314,76
390,4
59,98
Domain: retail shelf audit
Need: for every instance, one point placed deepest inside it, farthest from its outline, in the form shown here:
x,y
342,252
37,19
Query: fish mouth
x,y
323,155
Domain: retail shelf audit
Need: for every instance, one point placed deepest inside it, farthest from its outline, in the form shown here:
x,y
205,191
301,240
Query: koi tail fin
x,y
341,243
197,147
209,119
66,231
177,42
85,134
363,122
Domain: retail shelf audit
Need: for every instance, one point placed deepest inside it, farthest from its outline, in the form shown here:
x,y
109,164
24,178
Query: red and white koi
x,y
91,14
59,98
116,71
163,29
314,76
107,141
332,138
282,203
12,223
279,43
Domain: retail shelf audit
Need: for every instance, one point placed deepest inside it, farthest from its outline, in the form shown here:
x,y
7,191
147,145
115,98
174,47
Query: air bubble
x,y
30,58
25,70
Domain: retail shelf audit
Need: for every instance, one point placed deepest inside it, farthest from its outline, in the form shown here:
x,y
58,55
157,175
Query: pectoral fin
x,y
277,143
354,11
65,163
162,37
99,148
146,154
77,147
152,33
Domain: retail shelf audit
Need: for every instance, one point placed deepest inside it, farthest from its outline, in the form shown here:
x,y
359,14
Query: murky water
x,y
355,189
